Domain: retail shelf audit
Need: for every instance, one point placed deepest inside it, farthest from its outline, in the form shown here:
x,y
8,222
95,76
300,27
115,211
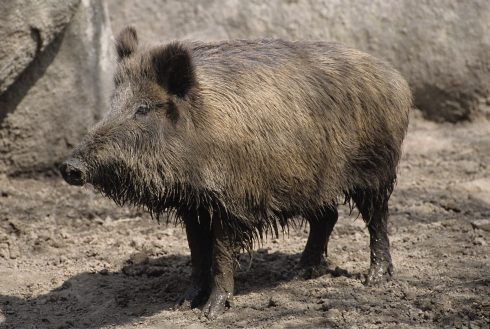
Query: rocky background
x,y
70,258
55,74
56,56
442,47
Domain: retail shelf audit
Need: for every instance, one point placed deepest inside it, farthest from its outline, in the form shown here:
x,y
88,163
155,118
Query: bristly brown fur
x,y
126,42
257,132
173,68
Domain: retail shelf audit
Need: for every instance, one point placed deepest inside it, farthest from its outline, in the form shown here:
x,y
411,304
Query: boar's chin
x,y
125,187
116,182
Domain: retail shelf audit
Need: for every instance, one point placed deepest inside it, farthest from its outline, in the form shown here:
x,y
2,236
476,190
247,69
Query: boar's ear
x,y
174,69
126,42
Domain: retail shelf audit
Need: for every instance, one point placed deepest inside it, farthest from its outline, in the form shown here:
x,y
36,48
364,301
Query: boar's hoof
x,y
379,272
193,297
217,303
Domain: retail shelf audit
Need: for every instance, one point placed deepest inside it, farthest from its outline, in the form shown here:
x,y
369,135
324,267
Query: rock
x,y
13,251
26,29
139,258
479,242
333,314
450,206
242,324
478,189
4,250
340,272
442,46
64,84
481,224
138,243
104,271
273,302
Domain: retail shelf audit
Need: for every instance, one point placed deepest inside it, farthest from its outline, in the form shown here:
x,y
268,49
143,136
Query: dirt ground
x,y
69,258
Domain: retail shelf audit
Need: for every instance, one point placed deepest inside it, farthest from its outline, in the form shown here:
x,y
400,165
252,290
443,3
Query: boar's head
x,y
136,153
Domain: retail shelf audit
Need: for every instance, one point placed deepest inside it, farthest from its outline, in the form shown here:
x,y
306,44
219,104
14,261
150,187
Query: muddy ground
x,y
69,258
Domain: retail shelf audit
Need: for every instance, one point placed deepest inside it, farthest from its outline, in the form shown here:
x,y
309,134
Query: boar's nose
x,y
73,171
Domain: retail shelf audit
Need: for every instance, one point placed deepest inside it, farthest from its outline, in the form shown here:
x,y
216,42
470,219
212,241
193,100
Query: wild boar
x,y
236,138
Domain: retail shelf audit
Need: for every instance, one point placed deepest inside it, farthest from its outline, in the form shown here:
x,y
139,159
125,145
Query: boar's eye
x,y
142,110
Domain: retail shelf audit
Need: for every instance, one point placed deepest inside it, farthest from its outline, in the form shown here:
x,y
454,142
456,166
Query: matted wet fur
x,y
260,130
235,138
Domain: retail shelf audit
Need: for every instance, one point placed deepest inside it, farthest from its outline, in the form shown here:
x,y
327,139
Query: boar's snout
x,y
74,171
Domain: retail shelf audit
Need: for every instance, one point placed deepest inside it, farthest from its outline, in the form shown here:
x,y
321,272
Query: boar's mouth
x,y
120,183
74,172
115,180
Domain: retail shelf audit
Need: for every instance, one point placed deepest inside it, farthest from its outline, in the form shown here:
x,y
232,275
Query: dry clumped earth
x,y
70,258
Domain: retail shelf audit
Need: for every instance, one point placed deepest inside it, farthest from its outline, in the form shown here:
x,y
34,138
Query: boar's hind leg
x,y
223,270
374,210
321,226
198,229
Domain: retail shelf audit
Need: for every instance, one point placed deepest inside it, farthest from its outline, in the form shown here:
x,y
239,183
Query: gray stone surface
x,y
56,56
441,46
26,28
60,94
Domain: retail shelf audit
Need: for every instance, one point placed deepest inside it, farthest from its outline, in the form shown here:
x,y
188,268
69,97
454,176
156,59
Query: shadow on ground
x,y
93,300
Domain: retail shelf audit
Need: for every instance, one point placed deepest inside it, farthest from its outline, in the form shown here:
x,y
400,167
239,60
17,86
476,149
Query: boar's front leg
x,y
198,230
223,270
